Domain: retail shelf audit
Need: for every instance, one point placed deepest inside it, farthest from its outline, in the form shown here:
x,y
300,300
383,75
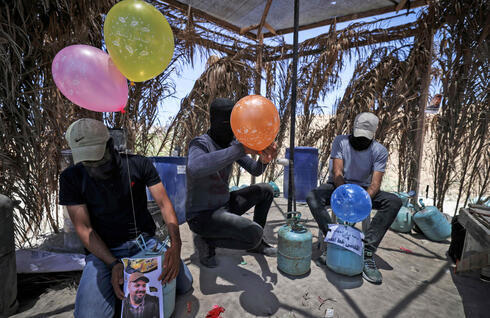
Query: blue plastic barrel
x,y
305,172
172,172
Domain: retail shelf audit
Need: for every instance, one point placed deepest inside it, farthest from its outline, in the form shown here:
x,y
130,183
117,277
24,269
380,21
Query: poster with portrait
x,y
142,289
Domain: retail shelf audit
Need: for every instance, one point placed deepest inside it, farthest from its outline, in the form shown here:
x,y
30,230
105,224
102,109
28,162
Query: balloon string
x,y
130,185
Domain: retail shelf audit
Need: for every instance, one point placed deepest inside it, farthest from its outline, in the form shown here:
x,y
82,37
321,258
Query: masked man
x,y
105,195
361,160
212,212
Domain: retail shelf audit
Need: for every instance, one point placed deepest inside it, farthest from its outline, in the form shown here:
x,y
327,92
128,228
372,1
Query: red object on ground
x,y
189,306
406,250
215,312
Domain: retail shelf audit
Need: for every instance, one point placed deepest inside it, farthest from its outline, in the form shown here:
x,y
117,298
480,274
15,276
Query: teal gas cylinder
x,y
275,189
168,290
344,261
294,247
403,221
433,224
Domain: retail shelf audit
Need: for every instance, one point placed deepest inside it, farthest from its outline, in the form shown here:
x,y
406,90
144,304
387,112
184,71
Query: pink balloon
x,y
87,76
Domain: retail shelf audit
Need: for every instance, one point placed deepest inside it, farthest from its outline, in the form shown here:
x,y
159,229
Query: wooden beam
x,y
271,29
222,23
424,95
354,16
401,5
405,31
262,20
249,28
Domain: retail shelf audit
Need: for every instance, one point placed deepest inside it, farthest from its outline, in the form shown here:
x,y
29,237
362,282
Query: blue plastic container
x,y
294,248
168,289
403,221
305,172
172,173
343,261
433,224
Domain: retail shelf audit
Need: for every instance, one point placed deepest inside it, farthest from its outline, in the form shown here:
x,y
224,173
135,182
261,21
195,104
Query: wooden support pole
x,y
425,84
262,20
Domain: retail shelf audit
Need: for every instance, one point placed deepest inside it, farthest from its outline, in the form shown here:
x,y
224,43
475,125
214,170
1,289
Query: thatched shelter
x,y
446,46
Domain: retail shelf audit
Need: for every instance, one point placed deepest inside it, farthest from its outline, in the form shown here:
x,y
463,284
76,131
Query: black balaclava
x,y
359,143
105,168
219,115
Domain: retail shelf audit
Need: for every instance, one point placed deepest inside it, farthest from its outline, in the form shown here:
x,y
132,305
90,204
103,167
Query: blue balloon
x,y
351,203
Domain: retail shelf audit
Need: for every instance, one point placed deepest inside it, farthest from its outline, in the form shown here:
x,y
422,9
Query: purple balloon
x,y
87,77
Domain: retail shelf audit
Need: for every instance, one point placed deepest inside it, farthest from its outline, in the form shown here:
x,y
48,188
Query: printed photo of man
x,y
137,303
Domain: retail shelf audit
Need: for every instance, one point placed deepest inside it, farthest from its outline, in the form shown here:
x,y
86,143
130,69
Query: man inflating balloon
x,y
359,159
213,213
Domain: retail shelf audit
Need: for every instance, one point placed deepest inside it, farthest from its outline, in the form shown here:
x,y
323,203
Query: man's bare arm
x,y
338,172
375,183
91,240
172,256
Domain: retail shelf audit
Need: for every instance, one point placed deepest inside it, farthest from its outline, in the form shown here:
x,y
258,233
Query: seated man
x,y
361,160
106,199
212,212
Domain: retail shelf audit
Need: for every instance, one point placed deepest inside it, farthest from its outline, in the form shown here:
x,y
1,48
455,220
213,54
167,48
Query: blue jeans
x,y
95,295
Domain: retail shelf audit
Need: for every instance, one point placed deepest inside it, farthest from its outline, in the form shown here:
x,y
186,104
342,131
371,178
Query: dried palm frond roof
x,y
249,17
201,31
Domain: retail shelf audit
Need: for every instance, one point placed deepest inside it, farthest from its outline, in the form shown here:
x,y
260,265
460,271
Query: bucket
x,y
172,173
305,172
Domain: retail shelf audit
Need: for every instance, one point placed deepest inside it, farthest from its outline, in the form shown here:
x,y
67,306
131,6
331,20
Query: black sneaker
x,y
370,271
207,254
264,248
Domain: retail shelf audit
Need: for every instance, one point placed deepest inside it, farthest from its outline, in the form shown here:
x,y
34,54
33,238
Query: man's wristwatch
x,y
117,261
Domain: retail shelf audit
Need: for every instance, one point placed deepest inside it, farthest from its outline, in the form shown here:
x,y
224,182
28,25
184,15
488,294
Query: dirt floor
x,y
417,284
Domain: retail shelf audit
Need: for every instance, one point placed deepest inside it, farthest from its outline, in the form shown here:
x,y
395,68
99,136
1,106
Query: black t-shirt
x,y
109,201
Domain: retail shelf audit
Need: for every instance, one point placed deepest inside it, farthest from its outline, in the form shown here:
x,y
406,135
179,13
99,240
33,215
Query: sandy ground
x,y
418,284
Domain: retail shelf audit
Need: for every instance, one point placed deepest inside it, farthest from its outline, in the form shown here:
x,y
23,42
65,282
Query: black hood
x,y
219,115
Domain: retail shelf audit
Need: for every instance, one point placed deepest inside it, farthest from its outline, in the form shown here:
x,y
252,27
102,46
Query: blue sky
x,y
185,79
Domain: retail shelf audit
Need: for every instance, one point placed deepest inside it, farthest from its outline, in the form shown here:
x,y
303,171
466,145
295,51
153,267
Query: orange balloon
x,y
255,122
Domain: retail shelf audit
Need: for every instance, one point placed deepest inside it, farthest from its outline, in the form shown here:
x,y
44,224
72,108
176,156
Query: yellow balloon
x,y
139,39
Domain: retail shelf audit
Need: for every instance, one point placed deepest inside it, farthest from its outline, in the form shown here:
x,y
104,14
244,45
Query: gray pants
x,y
386,203
225,227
